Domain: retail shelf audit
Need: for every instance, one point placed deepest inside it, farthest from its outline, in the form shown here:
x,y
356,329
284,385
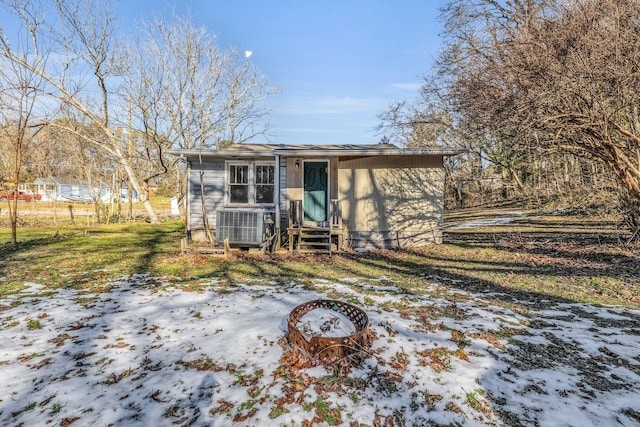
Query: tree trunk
x,y
133,179
205,214
17,165
13,215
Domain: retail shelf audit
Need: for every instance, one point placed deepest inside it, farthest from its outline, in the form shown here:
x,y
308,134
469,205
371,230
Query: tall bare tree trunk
x,y
205,213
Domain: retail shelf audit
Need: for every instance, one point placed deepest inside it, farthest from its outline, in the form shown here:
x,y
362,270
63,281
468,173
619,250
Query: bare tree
x,y
189,93
185,91
82,34
19,88
553,75
414,124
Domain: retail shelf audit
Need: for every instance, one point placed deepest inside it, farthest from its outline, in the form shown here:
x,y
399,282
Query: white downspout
x,y
187,199
276,197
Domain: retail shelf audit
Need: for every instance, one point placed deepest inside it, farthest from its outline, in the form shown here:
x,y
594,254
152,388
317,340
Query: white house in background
x,y
64,189
75,190
106,195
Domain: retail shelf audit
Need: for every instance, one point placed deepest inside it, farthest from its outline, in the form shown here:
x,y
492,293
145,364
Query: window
x,y
264,184
250,184
238,184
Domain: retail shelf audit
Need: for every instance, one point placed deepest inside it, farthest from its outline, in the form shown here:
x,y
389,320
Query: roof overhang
x,y
226,154
316,151
312,152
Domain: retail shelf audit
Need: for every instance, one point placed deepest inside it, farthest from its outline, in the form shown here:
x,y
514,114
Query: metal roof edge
x,y
426,151
319,151
221,153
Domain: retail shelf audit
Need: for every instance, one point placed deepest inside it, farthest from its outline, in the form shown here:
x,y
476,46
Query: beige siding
x,y
393,198
294,190
333,176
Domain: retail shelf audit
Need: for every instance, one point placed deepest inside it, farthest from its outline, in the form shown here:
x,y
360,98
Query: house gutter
x,y
313,152
227,154
187,201
319,151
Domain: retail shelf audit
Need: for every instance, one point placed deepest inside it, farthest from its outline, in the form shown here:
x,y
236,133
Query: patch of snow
x,y
143,355
350,279
32,288
488,222
483,223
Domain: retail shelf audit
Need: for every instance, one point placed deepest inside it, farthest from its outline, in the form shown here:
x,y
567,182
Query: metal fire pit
x,y
331,348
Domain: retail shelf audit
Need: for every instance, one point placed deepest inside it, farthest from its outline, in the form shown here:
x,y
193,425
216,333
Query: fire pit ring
x,y
330,348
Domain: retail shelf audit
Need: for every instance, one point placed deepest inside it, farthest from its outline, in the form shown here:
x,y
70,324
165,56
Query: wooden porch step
x,y
311,239
308,244
315,240
312,236
314,247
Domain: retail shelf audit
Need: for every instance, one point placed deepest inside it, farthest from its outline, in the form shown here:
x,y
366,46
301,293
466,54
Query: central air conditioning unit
x,y
243,226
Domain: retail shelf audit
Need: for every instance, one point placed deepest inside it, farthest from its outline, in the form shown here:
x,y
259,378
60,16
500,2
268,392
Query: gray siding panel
x,y
283,195
214,190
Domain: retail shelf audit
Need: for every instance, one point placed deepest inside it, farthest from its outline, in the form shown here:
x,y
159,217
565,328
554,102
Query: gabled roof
x,y
309,150
54,180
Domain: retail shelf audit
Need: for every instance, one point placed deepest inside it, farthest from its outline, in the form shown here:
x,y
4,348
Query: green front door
x,y
315,191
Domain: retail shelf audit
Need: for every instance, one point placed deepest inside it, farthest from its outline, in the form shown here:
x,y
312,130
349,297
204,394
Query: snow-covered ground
x,y
490,221
153,353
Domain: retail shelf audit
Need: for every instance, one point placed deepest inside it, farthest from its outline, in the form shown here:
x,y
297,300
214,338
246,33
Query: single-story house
x,y
64,189
75,190
316,197
107,195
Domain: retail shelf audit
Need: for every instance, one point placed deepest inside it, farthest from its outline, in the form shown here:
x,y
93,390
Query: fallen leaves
x,y
459,338
293,359
430,400
222,406
76,326
399,361
120,344
437,359
116,378
204,363
65,422
60,339
491,339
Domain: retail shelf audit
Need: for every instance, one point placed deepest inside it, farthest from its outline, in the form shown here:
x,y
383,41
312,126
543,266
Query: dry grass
x,y
536,257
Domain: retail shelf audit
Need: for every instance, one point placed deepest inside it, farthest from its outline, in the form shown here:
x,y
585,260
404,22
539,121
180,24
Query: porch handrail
x,y
335,213
295,213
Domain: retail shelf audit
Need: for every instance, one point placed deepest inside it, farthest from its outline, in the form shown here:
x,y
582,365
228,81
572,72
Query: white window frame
x,y
227,182
253,189
251,182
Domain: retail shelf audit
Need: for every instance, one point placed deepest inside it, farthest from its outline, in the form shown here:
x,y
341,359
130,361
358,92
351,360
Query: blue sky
x,y
337,63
